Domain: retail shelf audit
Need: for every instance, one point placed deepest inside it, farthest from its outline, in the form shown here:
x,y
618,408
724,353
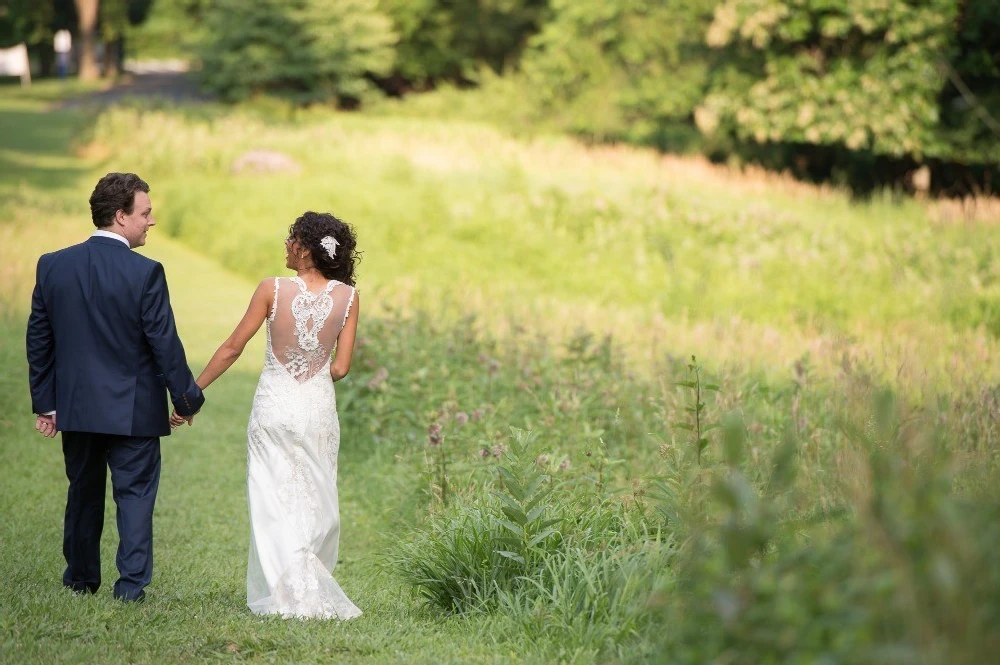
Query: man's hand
x,y
46,425
176,420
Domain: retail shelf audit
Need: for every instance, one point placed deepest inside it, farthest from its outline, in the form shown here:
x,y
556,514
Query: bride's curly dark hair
x,y
312,227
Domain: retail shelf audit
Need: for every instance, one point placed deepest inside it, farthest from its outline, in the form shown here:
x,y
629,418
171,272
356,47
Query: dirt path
x,y
170,85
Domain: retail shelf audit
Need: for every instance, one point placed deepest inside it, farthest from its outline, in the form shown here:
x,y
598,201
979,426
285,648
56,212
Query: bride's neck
x,y
309,272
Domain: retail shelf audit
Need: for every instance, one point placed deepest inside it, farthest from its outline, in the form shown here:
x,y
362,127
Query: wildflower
x,y
461,417
485,452
498,450
477,414
434,435
564,465
542,460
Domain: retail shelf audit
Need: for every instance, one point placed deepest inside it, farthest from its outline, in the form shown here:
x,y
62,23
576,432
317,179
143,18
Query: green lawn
x,y
492,268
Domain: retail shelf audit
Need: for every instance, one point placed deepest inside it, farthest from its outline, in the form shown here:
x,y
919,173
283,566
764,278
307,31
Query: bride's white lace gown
x,y
293,441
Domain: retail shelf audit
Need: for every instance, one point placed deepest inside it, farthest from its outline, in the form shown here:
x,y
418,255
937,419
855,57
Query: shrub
x,y
555,562
913,579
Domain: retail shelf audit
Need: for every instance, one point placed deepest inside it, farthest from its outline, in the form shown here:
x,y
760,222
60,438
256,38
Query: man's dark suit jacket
x,y
103,349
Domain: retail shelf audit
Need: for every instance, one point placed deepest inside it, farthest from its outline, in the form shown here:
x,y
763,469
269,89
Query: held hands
x,y
176,420
46,425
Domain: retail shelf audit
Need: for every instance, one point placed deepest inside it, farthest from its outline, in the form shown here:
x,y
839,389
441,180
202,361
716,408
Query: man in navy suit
x,y
103,353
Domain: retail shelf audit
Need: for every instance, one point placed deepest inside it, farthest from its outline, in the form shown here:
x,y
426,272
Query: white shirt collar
x,y
100,233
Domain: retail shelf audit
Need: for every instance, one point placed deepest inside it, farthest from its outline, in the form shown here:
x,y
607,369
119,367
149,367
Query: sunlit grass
x,y
788,295
462,219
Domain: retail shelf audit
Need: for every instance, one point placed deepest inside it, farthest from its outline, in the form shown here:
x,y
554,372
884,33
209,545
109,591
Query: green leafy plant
x,y
438,462
600,462
699,427
527,527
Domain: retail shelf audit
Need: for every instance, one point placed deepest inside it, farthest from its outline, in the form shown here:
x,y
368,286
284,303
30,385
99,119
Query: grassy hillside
x,y
664,254
851,346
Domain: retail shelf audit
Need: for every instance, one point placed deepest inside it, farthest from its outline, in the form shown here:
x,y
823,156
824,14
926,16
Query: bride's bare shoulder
x,y
269,283
267,290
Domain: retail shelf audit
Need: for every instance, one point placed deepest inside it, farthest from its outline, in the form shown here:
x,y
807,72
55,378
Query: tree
x,y
425,51
861,74
24,21
35,22
869,89
628,69
86,11
171,29
494,32
969,130
114,20
305,50
449,40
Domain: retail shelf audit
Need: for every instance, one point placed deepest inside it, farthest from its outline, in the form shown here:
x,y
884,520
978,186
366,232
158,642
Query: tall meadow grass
x,y
659,252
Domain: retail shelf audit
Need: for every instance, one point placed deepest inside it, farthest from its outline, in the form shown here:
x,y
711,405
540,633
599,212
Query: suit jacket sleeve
x,y
161,333
40,344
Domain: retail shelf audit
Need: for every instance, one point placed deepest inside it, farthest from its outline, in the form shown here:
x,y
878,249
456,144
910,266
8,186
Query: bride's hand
x,y
176,420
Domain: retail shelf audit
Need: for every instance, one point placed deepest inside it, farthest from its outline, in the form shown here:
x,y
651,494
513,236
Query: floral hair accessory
x,y
330,245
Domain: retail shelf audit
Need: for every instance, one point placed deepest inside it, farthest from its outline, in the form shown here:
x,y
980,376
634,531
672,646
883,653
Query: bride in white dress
x,y
294,434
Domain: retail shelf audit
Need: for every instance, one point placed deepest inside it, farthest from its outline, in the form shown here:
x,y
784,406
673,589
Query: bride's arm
x,y
226,355
341,364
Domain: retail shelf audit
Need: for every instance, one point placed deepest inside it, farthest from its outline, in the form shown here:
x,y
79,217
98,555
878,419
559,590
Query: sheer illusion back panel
x,y
304,325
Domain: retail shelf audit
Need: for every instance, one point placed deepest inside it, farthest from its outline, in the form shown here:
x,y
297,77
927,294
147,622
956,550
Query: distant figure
x,y
63,44
921,181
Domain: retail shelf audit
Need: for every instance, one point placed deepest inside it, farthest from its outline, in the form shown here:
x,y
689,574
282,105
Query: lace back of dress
x,y
304,326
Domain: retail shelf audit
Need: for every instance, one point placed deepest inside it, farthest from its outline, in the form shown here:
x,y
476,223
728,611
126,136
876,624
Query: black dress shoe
x,y
138,599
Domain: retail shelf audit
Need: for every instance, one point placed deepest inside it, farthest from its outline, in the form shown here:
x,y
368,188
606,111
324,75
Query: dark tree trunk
x,y
112,62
